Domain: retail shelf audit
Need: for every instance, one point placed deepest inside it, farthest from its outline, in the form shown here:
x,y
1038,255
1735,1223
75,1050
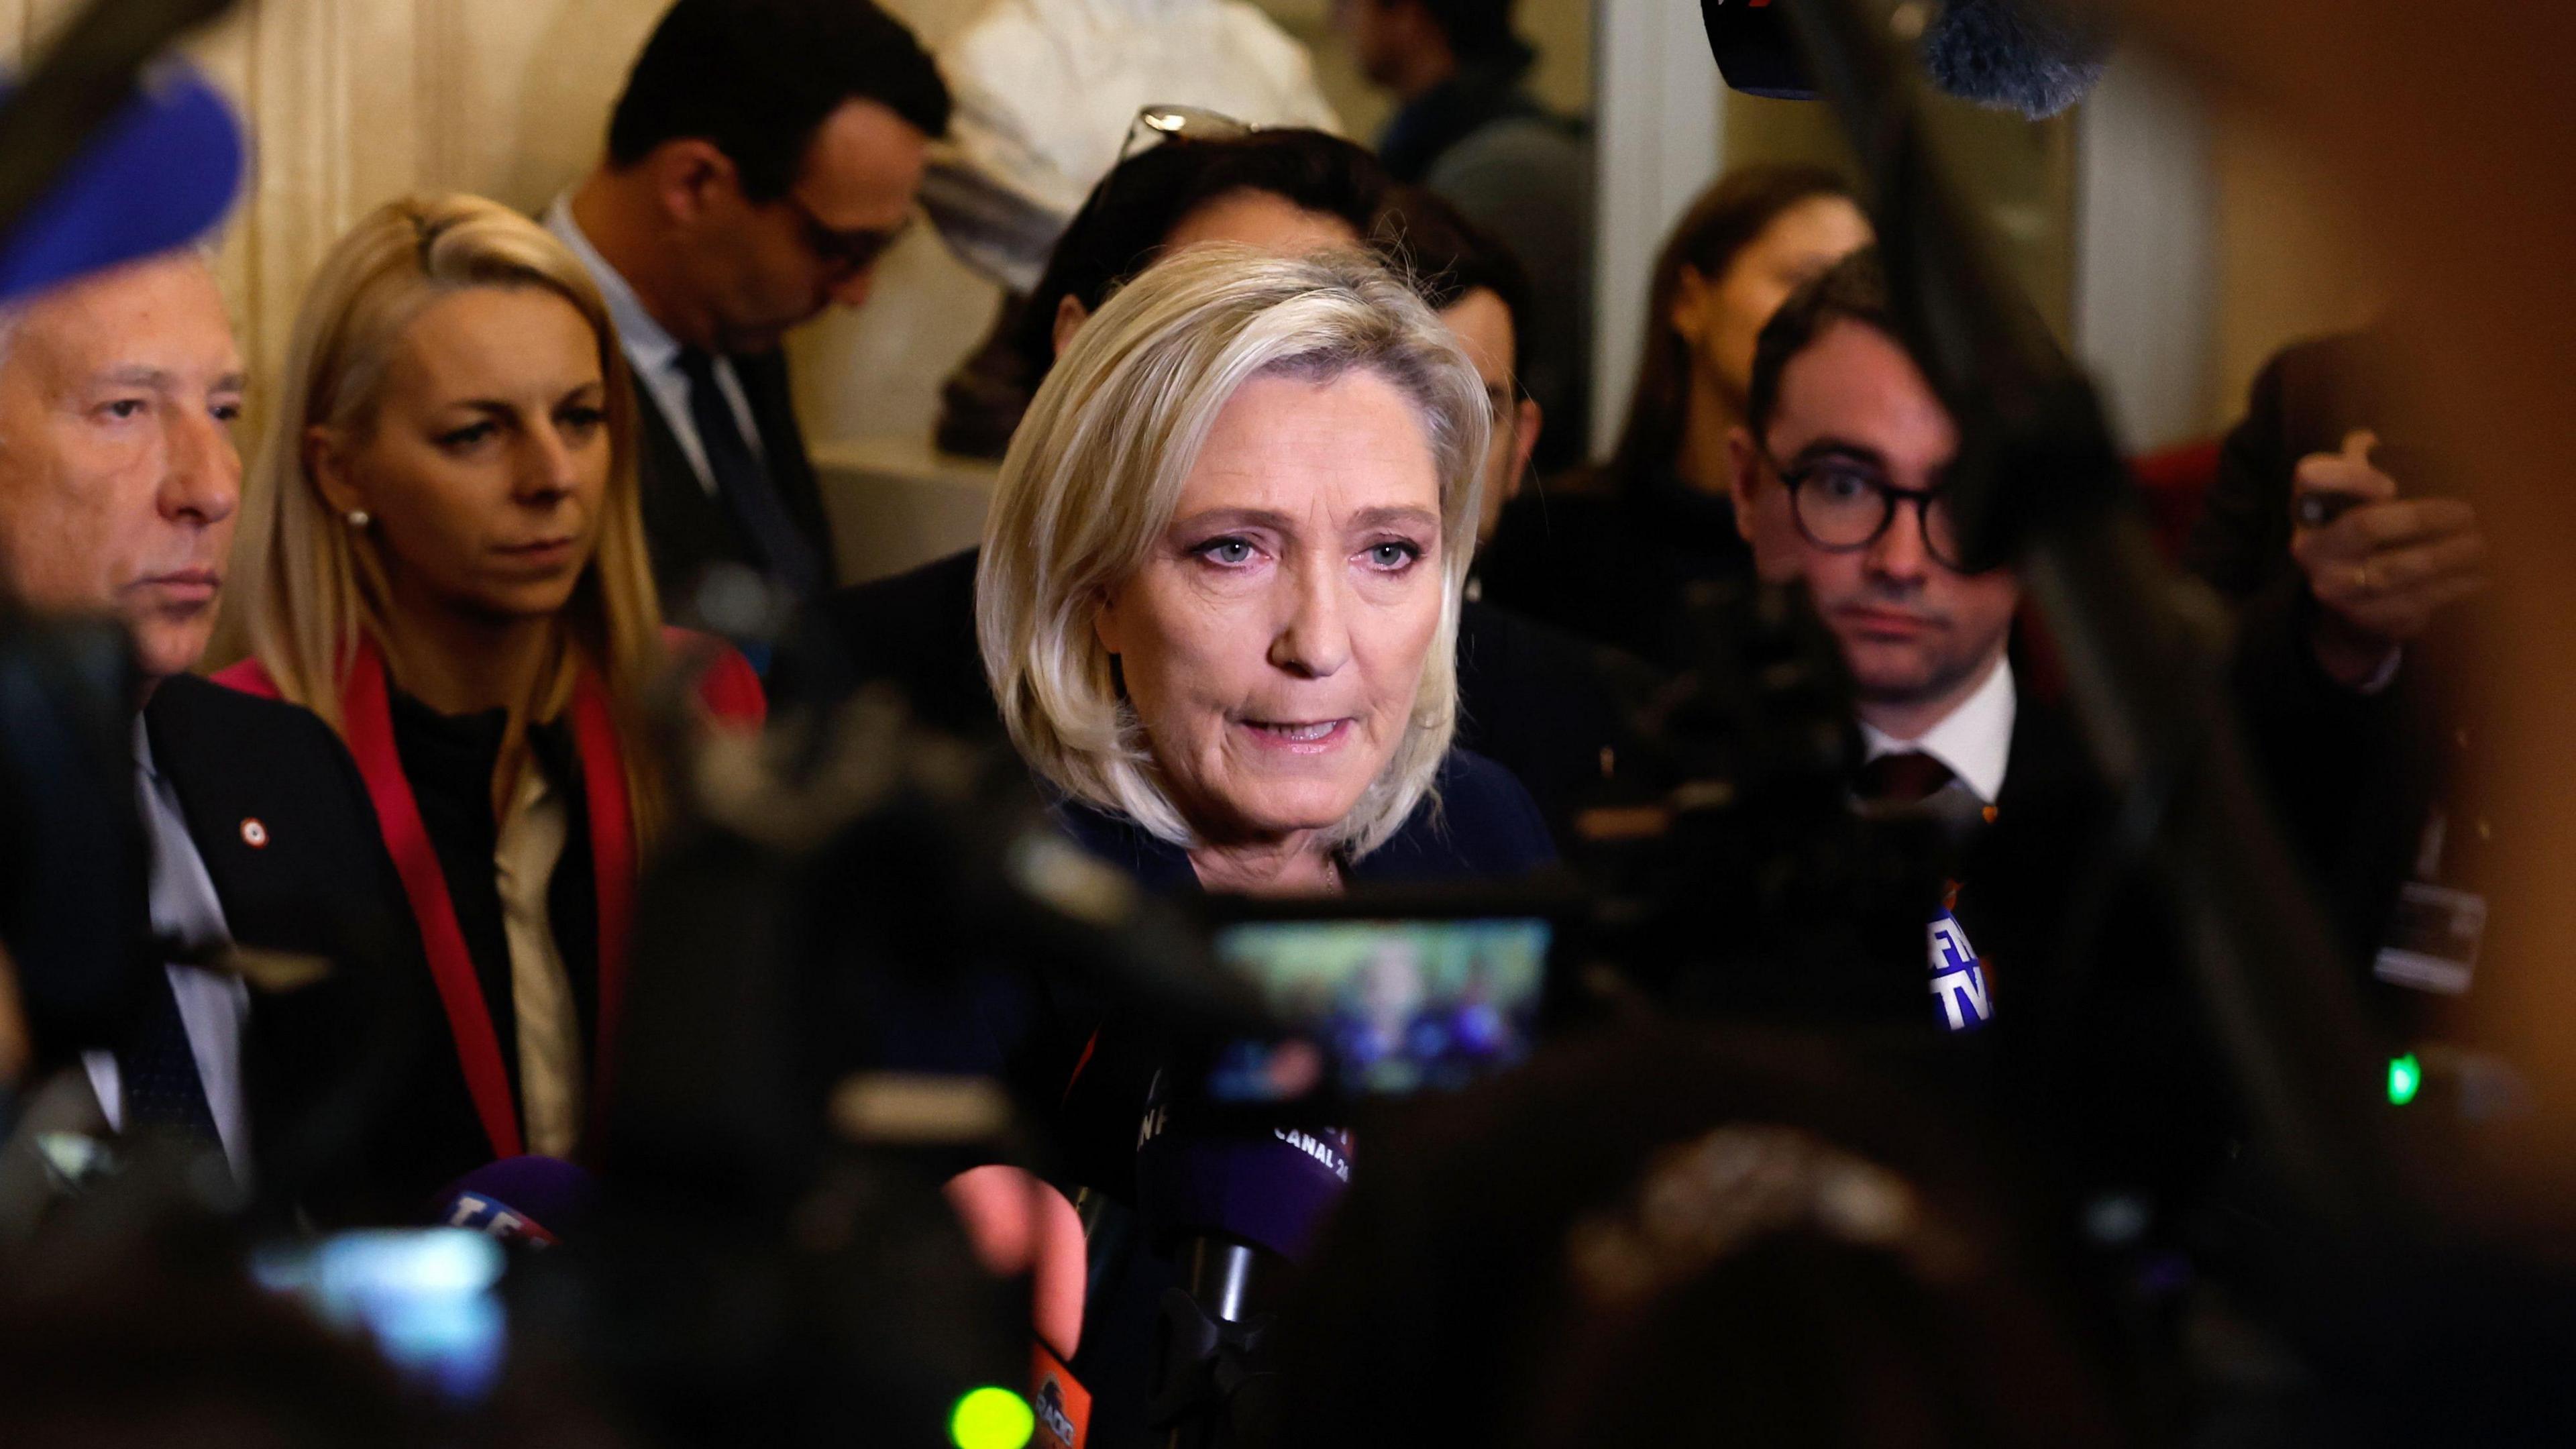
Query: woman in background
x,y
444,559
1611,556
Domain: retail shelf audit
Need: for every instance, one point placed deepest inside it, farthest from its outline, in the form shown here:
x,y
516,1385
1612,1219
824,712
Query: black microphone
x,y
2037,57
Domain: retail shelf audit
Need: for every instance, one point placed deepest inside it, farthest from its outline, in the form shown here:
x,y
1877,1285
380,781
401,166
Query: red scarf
x,y
729,690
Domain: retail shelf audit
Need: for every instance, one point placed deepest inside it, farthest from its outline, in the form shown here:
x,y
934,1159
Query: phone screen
x,y
1384,1007
428,1297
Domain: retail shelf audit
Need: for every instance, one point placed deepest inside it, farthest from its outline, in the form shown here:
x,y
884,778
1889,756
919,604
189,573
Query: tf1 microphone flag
x,y
160,174
1958,979
532,1200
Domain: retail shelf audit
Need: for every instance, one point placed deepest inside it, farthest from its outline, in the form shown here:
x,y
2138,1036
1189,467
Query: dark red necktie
x,y
1908,777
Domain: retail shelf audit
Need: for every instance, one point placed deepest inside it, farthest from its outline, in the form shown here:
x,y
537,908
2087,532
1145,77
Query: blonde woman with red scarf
x,y
441,555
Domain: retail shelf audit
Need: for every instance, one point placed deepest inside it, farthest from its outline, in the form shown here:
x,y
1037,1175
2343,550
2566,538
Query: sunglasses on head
x,y
1156,124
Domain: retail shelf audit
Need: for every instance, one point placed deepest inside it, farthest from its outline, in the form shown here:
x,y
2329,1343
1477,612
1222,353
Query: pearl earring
x,y
358,518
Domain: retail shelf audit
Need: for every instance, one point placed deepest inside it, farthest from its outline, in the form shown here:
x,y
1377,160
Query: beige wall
x,y
2294,259
351,102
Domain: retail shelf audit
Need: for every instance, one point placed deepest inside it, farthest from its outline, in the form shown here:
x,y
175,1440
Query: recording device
x,y
73,896
1372,996
832,949
429,1298
1384,994
1731,875
1236,1205
2320,507
2419,473
2037,57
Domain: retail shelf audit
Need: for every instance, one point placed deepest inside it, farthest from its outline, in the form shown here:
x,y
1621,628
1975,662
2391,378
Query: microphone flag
x,y
1958,978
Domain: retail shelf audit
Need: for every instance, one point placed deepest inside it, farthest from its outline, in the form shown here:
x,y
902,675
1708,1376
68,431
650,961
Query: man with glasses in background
x,y
1838,481
1841,481
763,156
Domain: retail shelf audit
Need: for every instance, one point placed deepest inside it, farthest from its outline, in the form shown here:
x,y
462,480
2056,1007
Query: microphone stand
x,y
1221,1276
1210,1363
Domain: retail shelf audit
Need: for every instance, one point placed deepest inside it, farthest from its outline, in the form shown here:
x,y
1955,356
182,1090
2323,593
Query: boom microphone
x,y
2037,57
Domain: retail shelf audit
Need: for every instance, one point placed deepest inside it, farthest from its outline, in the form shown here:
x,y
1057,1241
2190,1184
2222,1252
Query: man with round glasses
x,y
1839,481
1840,478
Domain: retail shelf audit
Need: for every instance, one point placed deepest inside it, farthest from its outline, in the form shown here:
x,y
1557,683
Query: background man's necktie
x,y
157,1073
1908,777
743,485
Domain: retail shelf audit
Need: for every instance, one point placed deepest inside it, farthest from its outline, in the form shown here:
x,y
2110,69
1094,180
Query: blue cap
x,y
161,173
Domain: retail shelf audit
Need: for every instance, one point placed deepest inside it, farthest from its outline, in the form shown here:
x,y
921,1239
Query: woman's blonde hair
x,y
1095,472
308,587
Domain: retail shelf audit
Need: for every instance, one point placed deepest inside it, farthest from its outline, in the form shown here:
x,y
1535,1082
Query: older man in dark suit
x,y
764,155
118,484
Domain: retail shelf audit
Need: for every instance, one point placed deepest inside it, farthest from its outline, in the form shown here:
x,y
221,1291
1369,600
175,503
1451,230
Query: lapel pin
x,y
254,834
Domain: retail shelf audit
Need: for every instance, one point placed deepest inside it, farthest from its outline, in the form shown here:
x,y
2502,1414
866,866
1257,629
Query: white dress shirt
x,y
212,1006
531,843
1974,740
653,352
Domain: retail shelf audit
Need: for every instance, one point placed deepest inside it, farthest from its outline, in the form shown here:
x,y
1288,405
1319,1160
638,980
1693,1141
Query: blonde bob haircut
x,y
311,587
1095,472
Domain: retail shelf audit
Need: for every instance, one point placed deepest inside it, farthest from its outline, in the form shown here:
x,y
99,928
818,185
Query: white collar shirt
x,y
1974,740
653,352
213,1006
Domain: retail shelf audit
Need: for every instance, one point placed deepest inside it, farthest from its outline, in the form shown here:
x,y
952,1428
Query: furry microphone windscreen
x,y
2037,57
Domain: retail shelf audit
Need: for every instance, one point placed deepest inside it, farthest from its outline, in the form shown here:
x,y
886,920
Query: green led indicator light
x,y
991,1418
2405,1079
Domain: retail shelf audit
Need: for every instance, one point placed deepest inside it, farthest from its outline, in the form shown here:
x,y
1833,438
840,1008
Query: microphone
x,y
1235,1206
2037,57
530,1199
159,172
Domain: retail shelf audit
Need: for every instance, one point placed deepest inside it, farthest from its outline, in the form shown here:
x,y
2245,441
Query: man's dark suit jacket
x,y
358,1110
2352,775
1541,703
689,528
2098,1051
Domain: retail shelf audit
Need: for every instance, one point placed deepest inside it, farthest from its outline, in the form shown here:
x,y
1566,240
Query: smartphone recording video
x,y
1384,1005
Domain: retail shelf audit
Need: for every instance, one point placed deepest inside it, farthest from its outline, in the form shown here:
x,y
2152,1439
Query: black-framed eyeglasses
x,y
1156,124
1844,505
845,252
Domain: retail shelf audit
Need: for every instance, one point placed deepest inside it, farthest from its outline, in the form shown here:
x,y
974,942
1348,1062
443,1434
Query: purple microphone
x,y
1234,1204
532,1200
1267,1187
159,174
